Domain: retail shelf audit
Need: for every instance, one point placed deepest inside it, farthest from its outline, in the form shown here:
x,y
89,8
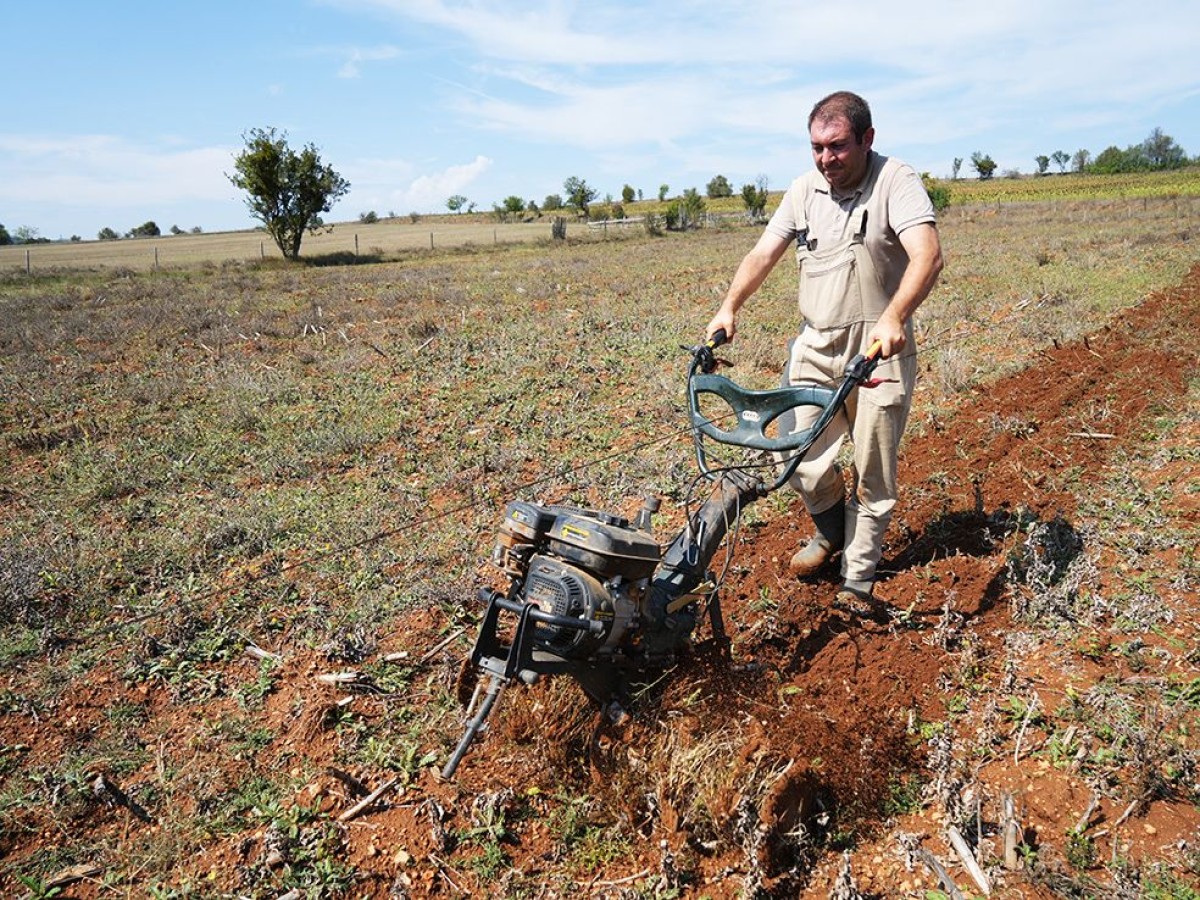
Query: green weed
x,y
1080,850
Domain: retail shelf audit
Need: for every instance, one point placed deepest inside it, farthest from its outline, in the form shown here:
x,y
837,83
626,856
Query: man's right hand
x,y
723,319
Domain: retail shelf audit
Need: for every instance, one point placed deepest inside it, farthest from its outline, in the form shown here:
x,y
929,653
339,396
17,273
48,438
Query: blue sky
x,y
116,112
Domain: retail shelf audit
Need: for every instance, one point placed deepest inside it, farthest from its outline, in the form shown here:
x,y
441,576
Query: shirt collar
x,y
838,196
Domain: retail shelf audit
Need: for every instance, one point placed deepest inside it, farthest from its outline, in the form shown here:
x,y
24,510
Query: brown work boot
x,y
858,599
827,541
810,558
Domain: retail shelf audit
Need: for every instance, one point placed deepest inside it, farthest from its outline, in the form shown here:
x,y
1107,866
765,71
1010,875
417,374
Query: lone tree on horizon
x,y
287,191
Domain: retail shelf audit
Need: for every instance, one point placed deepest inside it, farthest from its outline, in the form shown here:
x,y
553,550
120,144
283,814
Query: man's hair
x,y
843,105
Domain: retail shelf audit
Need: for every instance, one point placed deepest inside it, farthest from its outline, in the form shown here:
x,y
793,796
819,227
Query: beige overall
x,y
841,297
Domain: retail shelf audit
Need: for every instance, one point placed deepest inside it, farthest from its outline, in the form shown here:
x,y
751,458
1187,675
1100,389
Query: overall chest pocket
x,y
832,286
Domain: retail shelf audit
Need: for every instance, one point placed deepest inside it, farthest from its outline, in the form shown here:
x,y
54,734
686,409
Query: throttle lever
x,y
706,361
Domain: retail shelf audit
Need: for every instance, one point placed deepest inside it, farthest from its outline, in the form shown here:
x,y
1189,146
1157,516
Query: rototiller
x,y
593,595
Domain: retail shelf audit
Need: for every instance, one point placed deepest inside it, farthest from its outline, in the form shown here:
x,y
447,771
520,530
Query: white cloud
x,y
657,71
397,185
108,172
429,192
356,56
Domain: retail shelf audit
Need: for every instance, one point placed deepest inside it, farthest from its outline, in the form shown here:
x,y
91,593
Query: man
x,y
868,253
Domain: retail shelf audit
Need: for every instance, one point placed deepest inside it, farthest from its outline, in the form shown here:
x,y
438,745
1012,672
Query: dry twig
x,y
369,800
1011,831
939,872
440,646
967,858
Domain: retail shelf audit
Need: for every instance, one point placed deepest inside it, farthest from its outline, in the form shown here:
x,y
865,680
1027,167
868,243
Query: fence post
x,y
28,263
431,240
356,243
156,258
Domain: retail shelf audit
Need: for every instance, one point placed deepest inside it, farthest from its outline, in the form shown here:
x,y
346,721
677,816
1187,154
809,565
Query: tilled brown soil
x,y
825,703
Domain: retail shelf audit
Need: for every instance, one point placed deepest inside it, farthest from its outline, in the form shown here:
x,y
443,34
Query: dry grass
x,y
343,242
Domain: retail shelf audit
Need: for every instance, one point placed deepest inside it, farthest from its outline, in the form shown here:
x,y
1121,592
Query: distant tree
x,y
685,212
287,191
1043,163
26,234
196,229
607,211
107,234
1112,160
627,194
955,166
938,193
532,208
1162,152
579,194
692,207
1011,173
718,187
662,191
983,165
175,229
754,197
1061,158
1081,160
146,229
552,203
368,218
75,239
456,203
514,205
5,237
639,193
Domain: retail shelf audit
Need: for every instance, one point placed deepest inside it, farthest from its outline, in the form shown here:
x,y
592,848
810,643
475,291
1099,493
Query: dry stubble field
x,y
341,241
226,482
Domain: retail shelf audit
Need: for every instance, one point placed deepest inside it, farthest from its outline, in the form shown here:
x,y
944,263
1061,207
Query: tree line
x,y
1157,152
580,198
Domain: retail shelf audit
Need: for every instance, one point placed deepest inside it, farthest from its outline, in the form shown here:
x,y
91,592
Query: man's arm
x,y
751,273
925,262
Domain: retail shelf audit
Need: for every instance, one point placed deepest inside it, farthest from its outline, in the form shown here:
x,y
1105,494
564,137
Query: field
x,y
341,242
248,506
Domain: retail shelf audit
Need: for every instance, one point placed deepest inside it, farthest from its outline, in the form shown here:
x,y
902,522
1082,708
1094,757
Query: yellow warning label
x,y
576,532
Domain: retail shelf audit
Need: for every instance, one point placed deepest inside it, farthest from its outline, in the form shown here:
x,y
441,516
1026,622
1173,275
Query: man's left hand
x,y
889,332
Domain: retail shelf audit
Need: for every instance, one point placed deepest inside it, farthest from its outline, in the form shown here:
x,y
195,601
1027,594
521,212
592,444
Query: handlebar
x,y
755,411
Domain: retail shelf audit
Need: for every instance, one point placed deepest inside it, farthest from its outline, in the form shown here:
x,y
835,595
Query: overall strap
x,y
798,213
864,198
860,232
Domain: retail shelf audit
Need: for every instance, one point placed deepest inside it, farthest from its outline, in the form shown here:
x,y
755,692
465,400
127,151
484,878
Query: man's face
x,y
841,159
